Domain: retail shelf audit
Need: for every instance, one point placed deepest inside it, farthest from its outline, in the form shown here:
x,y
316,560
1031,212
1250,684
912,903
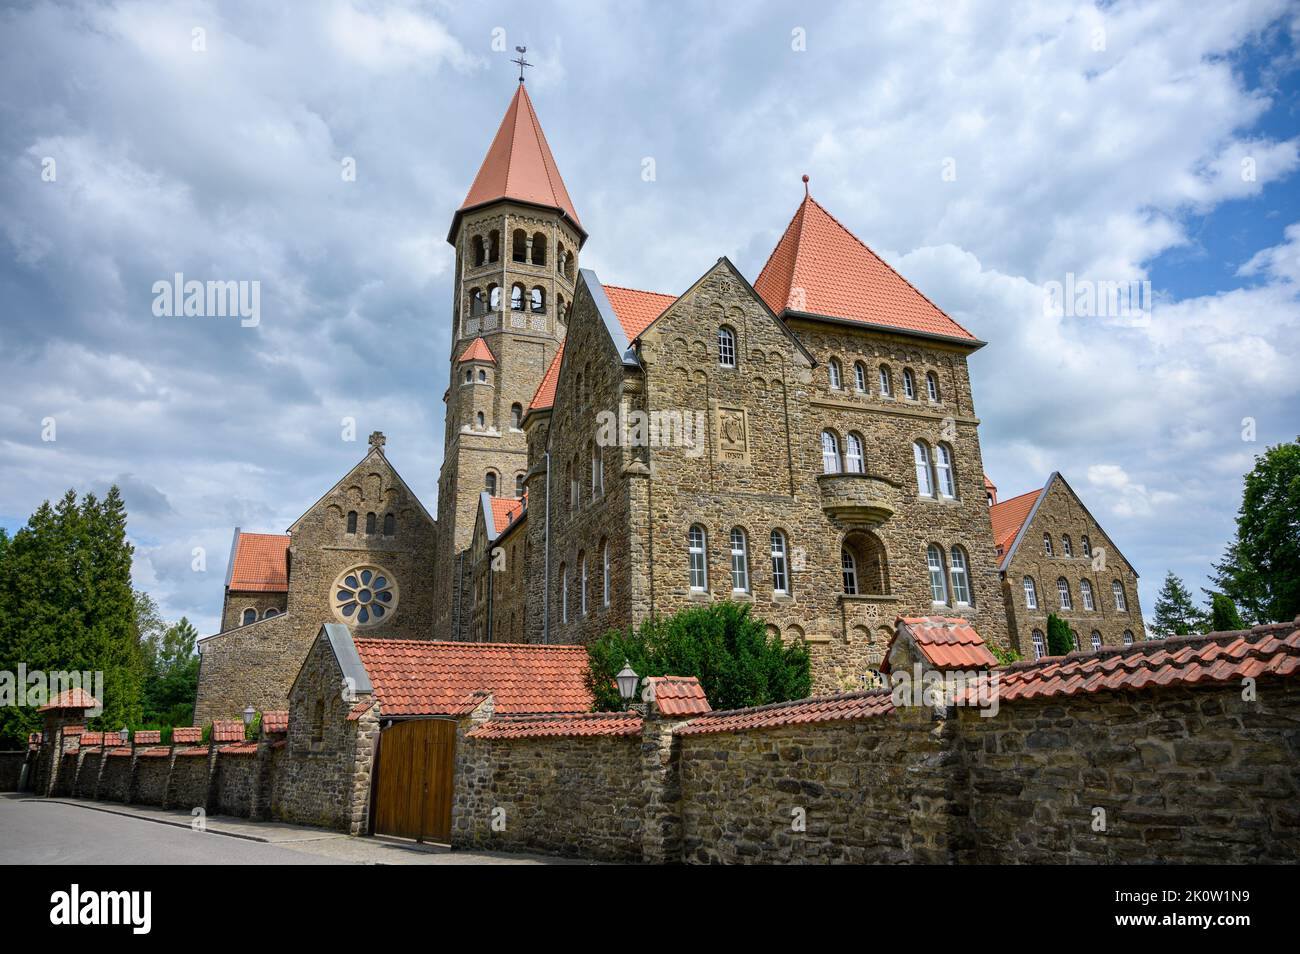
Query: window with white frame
x,y
575,485
726,347
830,453
250,616
943,469
1117,591
1067,548
739,562
597,471
1047,544
1031,593
960,577
780,580
938,578
699,561
582,579
1085,591
564,593
605,585
833,369
860,377
886,383
1086,545
1063,593
1096,640
1128,637
853,459
1040,644
1074,639
932,386
909,384
921,456
849,572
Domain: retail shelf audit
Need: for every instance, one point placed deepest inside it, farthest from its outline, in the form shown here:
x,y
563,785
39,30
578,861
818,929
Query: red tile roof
x,y
564,726
276,720
679,695
519,164
192,751
505,510
1269,650
946,643
545,394
360,709
852,705
477,351
820,267
91,739
154,752
424,677
187,734
1009,516
240,748
119,751
71,699
227,731
261,563
148,736
636,309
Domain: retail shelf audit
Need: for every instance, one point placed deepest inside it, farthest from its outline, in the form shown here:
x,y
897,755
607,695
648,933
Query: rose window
x,y
365,595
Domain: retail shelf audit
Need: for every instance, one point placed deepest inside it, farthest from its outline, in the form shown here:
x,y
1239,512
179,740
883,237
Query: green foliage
x,y
66,604
737,662
172,676
1059,638
1005,657
1260,569
1176,613
1223,614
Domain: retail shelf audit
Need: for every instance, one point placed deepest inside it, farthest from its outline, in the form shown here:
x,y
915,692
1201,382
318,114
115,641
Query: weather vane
x,y
521,50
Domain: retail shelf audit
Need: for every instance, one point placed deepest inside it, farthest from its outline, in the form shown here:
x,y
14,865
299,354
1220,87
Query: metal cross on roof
x,y
521,50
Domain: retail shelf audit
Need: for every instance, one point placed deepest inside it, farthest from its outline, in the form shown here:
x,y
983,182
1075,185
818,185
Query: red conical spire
x,y
519,166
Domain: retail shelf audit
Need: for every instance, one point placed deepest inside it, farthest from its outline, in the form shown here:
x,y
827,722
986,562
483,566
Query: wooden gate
x,y
417,761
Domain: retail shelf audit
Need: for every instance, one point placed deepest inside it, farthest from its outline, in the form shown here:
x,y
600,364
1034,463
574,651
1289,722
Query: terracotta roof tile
x,y
564,726
636,309
425,677
227,730
192,751
187,735
91,739
946,643
1269,650
119,752
360,709
820,267
505,510
276,720
240,748
261,563
519,164
1009,516
852,705
148,736
155,752
71,699
679,695
477,351
544,397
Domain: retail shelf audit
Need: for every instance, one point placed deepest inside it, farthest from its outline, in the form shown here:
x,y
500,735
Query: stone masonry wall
x,y
237,784
151,776
11,767
115,778
232,613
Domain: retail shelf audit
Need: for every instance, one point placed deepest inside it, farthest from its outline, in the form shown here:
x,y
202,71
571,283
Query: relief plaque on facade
x,y
733,435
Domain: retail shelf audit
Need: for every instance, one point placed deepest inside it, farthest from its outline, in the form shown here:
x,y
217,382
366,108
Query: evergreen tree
x,y
172,678
1260,569
1223,614
1176,613
1059,638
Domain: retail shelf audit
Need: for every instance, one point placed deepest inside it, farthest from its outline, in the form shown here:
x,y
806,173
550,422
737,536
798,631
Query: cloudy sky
x,y
987,150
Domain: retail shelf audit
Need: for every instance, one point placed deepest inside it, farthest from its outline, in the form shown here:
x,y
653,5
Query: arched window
x,y
960,578
494,297
519,246
370,523
582,581
494,246
490,482
1095,639
482,375
943,470
1128,637
539,248
1085,591
780,579
517,297
1040,644
870,563
859,377
481,420
250,616
830,453
516,415
561,257
1074,639
559,306
1117,591
909,384
1063,593
726,347
469,375
886,382
1031,593
477,305
519,486
938,578
699,560
604,548
597,472
1067,548
932,386
854,462
833,369
564,593
480,250
538,298
1047,544
390,524
269,612
739,562
849,572
1086,545
352,521
921,457
575,484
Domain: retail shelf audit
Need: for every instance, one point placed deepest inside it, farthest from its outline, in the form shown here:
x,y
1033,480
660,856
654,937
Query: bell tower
x,y
517,237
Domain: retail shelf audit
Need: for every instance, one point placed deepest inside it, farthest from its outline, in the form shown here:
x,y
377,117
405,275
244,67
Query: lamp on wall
x,y
249,712
627,680
123,733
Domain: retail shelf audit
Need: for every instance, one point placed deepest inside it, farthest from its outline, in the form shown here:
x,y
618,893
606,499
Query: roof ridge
x,y
1151,647
1002,503
640,291
389,641
810,700
771,257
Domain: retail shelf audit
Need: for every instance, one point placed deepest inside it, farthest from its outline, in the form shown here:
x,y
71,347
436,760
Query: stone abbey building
x,y
806,443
